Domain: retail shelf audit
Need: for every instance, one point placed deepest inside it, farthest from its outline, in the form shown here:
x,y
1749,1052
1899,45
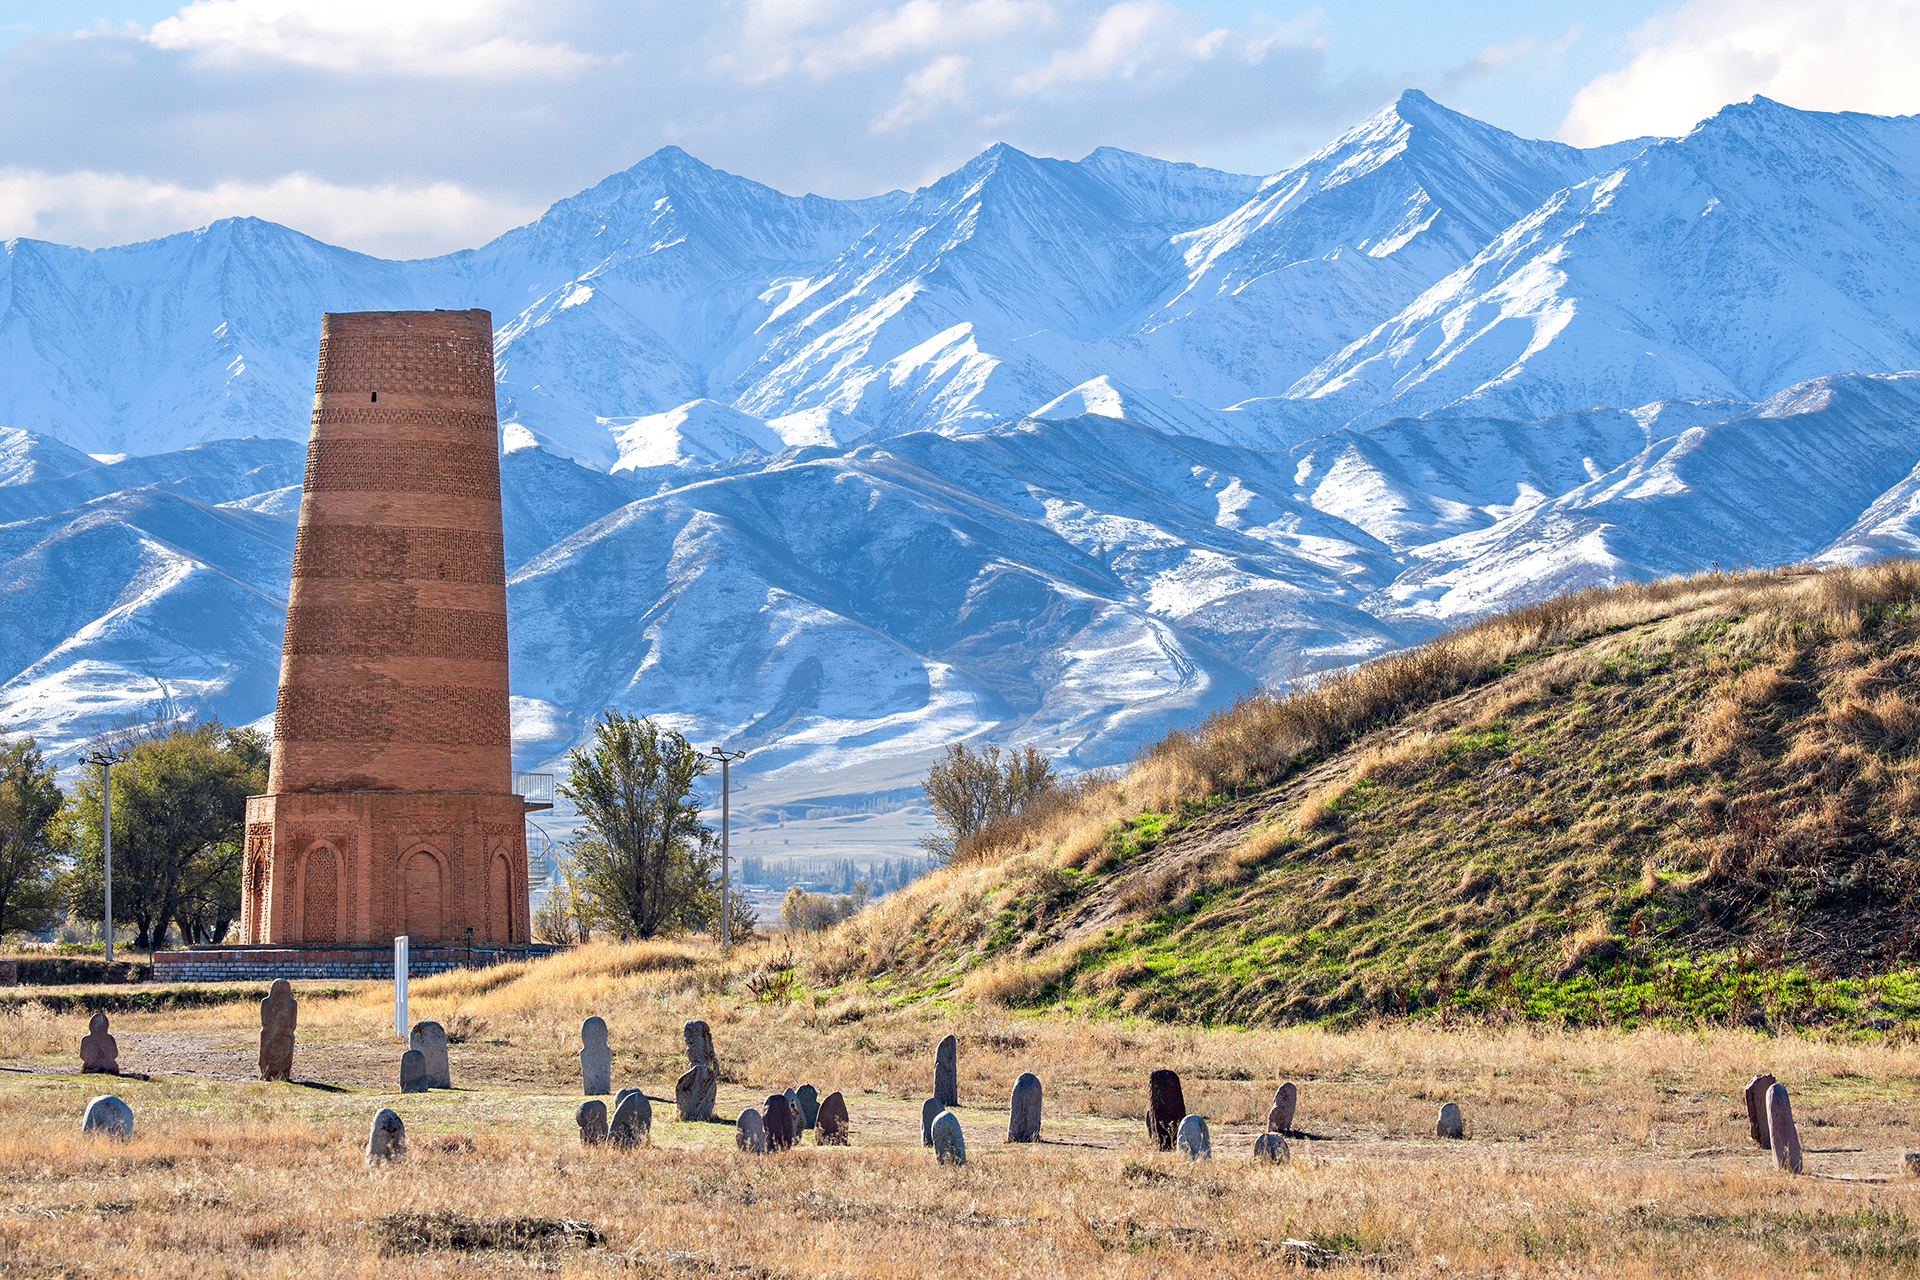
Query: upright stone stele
x,y
1756,1095
279,1014
695,1091
108,1115
946,1072
1194,1142
99,1051
1780,1130
1166,1107
430,1038
1286,1100
929,1111
807,1098
1271,1147
1450,1125
632,1124
750,1133
779,1120
591,1117
1023,1109
1912,1164
832,1127
596,1059
413,1072
387,1139
389,806
949,1144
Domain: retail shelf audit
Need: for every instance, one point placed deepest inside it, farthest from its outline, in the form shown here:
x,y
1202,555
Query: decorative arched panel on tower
x,y
500,899
423,888
320,896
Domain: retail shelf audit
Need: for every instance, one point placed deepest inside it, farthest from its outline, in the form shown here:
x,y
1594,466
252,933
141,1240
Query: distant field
x,y
1591,1152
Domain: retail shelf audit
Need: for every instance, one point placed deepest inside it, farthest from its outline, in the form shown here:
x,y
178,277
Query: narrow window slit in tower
x,y
373,397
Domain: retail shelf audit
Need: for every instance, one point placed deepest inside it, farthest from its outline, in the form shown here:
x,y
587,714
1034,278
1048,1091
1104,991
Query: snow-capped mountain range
x,y
1047,450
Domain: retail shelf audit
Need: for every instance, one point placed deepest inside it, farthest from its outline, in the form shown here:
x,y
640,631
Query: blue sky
x,y
406,127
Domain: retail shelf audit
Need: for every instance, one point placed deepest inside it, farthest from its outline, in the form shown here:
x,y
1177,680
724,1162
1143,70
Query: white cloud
x,y
433,38
388,217
942,82
1841,55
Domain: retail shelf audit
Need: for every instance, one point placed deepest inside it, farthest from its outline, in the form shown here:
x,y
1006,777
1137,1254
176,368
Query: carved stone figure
x,y
779,1120
632,1120
413,1072
831,1125
694,1092
1272,1148
1285,1100
1450,1125
108,1115
808,1101
928,1110
596,1059
279,1013
387,1139
751,1133
592,1120
949,1144
1756,1096
1780,1130
946,1072
98,1050
430,1038
1194,1141
1023,1110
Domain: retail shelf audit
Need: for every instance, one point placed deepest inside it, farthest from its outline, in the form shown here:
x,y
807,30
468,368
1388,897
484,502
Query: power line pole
x,y
106,758
725,758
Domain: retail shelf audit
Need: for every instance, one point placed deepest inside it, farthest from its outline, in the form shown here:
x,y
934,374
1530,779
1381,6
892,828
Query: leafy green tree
x,y
642,855
179,806
30,800
967,790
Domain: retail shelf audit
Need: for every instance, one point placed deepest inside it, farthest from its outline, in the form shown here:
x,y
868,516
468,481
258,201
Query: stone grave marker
x,y
596,1059
1166,1107
592,1120
1023,1109
430,1038
928,1110
1286,1099
808,1099
1913,1164
279,1014
778,1116
108,1115
946,1072
1781,1133
694,1092
413,1072
99,1051
1272,1148
1756,1095
949,1144
1450,1125
1194,1141
793,1109
832,1128
751,1136
387,1139
632,1122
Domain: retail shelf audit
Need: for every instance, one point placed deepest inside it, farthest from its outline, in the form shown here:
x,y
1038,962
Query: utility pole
x,y
725,758
106,758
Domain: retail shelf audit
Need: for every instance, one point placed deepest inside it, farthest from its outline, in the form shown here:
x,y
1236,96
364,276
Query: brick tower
x,y
390,805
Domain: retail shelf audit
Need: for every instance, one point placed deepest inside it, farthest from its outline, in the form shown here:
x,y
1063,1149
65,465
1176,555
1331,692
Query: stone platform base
x,y
263,964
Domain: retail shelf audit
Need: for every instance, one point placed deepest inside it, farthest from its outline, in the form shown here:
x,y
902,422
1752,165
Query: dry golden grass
x,y
1583,1157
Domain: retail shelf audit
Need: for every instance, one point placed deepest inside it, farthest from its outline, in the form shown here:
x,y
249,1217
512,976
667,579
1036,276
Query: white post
x,y
400,986
726,865
106,832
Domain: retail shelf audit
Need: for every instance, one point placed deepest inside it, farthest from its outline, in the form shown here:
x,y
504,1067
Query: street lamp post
x,y
106,758
725,758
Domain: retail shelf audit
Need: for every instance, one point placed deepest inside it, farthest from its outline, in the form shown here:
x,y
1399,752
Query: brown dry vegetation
x,y
1721,772
1591,1152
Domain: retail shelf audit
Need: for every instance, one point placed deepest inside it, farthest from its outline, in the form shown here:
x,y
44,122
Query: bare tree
x,y
967,790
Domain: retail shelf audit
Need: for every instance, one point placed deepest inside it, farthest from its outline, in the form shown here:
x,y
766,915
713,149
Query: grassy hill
x,y
1686,801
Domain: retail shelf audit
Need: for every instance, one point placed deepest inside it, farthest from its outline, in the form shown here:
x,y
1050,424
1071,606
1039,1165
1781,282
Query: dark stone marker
x,y
928,1110
1757,1111
632,1120
1195,1142
946,1072
831,1125
1450,1125
430,1038
1023,1111
413,1072
1780,1130
108,1115
1166,1108
1272,1148
809,1100
779,1121
750,1133
98,1050
592,1119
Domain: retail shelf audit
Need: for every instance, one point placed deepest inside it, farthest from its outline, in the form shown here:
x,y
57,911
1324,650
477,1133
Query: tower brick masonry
x,y
390,807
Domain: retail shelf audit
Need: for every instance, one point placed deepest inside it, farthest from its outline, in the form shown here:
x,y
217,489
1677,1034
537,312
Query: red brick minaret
x,y
390,806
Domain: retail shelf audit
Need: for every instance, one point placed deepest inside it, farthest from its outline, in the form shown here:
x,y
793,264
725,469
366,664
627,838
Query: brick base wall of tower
x,y
389,806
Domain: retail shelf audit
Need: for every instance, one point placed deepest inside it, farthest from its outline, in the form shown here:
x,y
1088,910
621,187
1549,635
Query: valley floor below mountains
x,y
1589,1152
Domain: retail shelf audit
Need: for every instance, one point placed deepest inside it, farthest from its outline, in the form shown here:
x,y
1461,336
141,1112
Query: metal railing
x,y
536,789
